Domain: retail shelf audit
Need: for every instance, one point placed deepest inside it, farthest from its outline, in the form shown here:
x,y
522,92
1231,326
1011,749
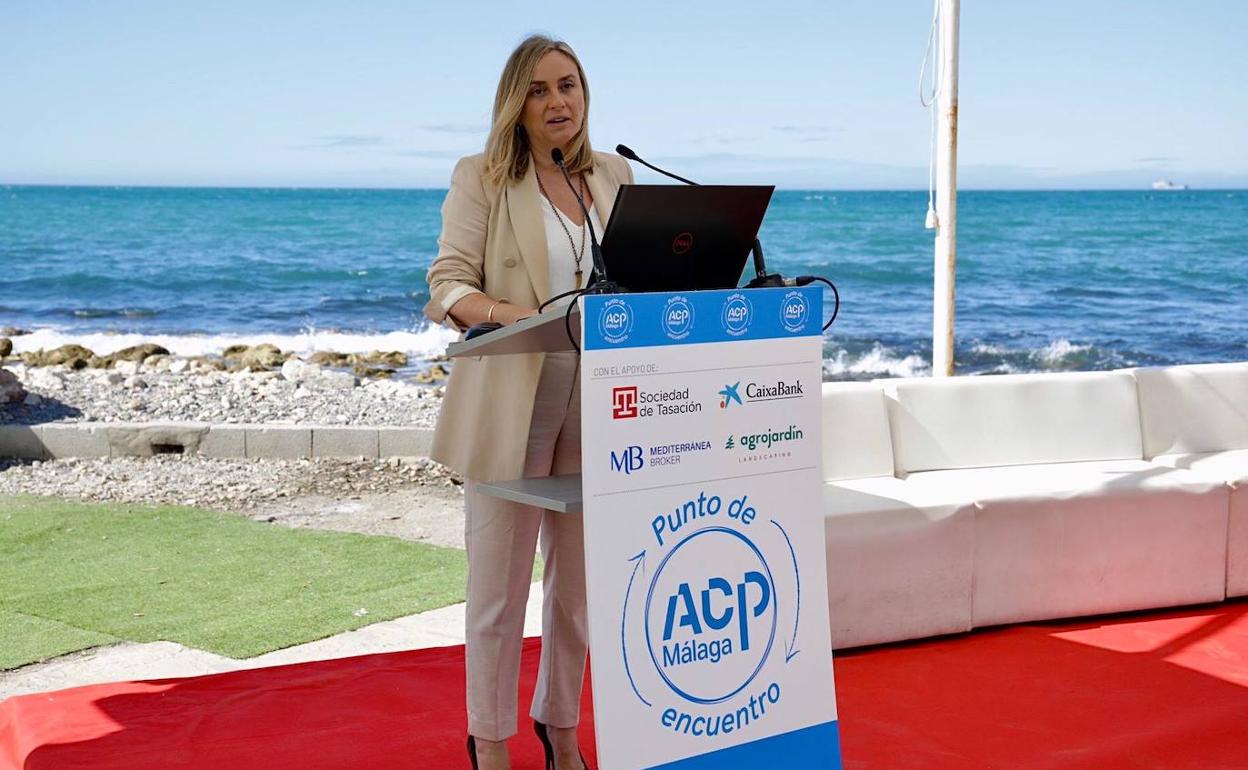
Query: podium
x,y
701,491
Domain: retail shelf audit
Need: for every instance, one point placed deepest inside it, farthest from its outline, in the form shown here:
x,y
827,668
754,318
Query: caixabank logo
x,y
711,615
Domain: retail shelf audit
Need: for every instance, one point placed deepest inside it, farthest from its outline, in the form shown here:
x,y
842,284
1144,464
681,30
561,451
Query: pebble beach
x,y
260,384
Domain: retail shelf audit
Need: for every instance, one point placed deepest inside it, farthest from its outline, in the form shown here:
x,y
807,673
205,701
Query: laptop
x,y
682,237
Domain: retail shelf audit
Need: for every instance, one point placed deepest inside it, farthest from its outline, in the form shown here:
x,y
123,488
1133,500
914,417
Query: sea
x,y
1046,281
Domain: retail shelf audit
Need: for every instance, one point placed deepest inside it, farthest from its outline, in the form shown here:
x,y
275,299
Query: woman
x,y
513,235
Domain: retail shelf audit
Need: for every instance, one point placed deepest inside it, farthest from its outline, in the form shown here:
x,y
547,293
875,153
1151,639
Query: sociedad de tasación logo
x,y
632,402
737,315
615,321
706,633
794,311
677,317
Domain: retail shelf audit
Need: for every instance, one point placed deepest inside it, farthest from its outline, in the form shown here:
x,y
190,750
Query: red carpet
x,y
1157,690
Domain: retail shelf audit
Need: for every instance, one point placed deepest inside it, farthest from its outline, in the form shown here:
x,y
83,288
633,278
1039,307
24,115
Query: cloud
x,y
434,154
1160,159
808,133
454,128
343,142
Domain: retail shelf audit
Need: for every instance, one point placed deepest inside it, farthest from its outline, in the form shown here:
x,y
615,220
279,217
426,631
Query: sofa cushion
x,y
975,422
1071,539
856,442
1198,408
1231,467
899,562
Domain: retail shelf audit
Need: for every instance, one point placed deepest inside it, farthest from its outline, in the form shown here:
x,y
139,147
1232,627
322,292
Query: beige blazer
x,y
494,240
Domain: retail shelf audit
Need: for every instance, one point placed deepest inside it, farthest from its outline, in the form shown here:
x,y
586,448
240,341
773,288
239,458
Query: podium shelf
x,y
543,333
561,494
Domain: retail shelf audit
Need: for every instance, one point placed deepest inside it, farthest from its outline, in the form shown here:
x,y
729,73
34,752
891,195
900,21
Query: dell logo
x,y
682,243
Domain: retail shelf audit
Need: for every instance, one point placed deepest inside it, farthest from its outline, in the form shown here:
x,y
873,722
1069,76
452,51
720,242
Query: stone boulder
x,y
260,357
392,358
72,356
377,372
139,352
11,390
330,358
6,347
435,373
297,371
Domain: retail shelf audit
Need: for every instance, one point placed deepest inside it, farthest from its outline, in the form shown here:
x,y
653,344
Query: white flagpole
x,y
946,192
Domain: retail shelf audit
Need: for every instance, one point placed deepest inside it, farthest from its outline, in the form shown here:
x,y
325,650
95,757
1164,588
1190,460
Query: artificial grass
x,y
27,639
208,580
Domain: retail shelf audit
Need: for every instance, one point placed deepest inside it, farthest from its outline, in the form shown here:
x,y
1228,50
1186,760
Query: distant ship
x,y
1166,184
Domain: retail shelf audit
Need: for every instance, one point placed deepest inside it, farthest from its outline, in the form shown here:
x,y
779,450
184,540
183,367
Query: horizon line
x,y
779,188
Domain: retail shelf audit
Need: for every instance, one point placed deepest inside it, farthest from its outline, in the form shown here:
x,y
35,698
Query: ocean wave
x,y
879,361
425,342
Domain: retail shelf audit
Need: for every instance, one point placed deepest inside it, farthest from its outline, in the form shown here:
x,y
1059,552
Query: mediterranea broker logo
x,y
634,458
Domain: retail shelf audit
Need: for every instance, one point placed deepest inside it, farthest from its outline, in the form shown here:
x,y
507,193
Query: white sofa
x,y
1196,418
958,503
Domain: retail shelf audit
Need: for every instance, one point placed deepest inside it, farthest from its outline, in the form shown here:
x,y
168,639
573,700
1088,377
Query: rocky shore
x,y
257,384
412,498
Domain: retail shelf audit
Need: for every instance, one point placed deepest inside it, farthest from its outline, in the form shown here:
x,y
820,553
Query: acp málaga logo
x,y
794,311
737,315
677,317
707,633
615,321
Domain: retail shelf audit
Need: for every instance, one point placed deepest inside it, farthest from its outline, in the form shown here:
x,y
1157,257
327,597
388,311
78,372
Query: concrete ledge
x,y
21,442
344,442
147,439
288,442
68,440
225,441
98,440
404,442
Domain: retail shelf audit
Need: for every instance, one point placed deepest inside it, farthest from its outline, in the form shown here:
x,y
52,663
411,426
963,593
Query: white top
x,y
559,252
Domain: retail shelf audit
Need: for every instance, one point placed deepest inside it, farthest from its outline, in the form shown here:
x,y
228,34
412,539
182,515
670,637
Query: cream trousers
x,y
501,538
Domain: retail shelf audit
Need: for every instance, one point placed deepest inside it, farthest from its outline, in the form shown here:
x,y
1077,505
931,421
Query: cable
x,y
802,280
558,297
931,222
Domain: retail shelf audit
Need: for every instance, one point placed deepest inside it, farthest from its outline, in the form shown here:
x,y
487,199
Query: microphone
x,y
761,278
628,153
600,266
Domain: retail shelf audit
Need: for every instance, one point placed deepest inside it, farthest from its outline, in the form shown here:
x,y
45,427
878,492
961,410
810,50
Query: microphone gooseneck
x,y
628,153
600,267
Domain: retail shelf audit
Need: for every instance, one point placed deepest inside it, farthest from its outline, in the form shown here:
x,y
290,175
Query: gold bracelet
x,y
489,317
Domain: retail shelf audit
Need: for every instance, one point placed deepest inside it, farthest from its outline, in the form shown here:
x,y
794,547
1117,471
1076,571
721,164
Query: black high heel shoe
x,y
472,751
540,729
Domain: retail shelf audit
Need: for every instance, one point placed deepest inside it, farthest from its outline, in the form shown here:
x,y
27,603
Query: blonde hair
x,y
507,148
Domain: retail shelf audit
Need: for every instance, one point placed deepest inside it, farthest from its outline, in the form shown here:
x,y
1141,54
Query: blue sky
x,y
380,93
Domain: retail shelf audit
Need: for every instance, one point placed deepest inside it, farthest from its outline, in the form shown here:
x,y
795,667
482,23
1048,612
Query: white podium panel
x,y
704,553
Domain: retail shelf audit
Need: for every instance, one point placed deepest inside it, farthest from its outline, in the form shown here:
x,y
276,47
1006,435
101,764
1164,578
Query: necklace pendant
x,y
579,275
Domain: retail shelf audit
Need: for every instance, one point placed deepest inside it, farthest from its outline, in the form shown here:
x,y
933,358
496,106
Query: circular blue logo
x,y
677,318
737,315
710,615
794,311
615,322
